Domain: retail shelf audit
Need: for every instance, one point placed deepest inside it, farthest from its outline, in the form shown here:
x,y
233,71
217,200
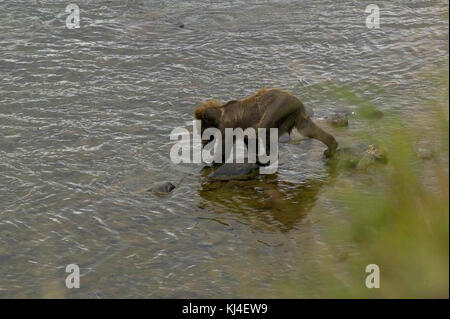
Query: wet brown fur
x,y
244,113
267,108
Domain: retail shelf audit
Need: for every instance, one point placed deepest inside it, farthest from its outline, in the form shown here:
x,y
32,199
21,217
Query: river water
x,y
85,118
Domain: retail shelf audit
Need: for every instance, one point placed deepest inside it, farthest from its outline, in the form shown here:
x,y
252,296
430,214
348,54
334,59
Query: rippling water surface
x,y
85,117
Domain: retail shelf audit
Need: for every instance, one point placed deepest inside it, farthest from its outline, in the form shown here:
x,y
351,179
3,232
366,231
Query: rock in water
x,y
162,188
234,171
360,156
425,154
338,120
370,113
346,157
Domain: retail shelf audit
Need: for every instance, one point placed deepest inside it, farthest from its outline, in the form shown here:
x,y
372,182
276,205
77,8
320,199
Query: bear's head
x,y
209,113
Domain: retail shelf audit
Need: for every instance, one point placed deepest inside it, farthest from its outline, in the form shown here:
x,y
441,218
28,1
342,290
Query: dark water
x,y
85,117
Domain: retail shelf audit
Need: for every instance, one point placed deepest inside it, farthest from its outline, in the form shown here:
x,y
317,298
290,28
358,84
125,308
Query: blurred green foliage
x,y
396,218
402,223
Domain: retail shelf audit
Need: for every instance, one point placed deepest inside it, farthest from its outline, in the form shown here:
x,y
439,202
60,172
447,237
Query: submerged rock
x,y
376,114
343,110
234,171
162,188
338,120
425,154
376,154
346,157
370,113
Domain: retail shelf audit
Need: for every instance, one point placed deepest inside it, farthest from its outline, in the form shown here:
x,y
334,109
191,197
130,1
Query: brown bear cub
x,y
267,108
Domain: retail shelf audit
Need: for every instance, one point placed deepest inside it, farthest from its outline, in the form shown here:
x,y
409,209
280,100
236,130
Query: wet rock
x,y
337,120
234,171
371,156
162,188
360,156
376,154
